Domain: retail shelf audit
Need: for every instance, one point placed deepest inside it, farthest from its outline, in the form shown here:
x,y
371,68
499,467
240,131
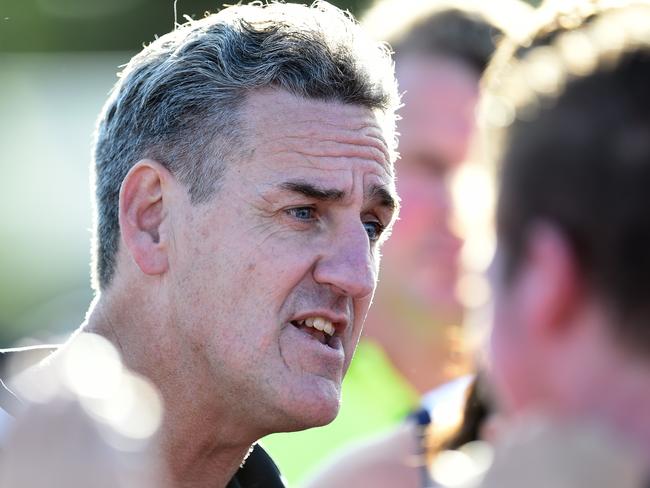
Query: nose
x,y
348,265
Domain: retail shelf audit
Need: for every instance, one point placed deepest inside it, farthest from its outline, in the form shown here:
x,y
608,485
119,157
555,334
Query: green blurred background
x,y
58,60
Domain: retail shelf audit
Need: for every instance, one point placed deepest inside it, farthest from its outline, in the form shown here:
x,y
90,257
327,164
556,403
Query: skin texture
x,y
420,264
204,296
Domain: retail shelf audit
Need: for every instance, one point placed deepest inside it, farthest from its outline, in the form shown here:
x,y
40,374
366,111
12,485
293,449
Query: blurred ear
x,y
549,283
142,212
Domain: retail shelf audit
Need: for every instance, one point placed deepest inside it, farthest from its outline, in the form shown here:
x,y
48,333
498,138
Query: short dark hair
x,y
178,101
575,152
463,31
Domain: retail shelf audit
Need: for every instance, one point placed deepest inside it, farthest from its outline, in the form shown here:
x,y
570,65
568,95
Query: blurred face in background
x,y
420,263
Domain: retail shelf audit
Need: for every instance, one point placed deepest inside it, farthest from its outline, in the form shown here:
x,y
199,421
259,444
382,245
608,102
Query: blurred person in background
x,y
414,340
244,183
414,454
567,116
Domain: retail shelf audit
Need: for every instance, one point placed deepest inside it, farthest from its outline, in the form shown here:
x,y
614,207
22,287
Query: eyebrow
x,y
312,191
379,193
385,197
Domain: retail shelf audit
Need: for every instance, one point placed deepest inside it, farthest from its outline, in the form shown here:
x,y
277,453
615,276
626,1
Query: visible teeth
x,y
329,329
321,324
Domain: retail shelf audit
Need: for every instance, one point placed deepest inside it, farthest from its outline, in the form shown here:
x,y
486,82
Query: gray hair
x,y
178,100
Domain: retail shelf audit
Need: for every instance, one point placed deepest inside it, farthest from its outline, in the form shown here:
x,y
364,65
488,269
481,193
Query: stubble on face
x,y
289,235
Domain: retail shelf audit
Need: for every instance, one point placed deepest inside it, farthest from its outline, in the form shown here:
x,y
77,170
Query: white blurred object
x,y
448,400
5,424
87,422
464,467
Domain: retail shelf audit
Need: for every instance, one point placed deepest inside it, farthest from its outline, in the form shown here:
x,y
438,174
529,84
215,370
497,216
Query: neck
x,y
592,377
622,404
199,441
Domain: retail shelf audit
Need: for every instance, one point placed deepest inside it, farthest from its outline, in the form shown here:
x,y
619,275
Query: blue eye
x,y
301,213
374,230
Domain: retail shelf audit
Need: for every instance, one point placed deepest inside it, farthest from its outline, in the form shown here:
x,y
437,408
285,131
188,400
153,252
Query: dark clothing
x,y
259,470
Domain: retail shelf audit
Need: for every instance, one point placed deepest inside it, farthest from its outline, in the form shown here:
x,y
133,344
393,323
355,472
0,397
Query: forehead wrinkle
x,y
336,149
325,147
299,156
361,132
360,135
311,161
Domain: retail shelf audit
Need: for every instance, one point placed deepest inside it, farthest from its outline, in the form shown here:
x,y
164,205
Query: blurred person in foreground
x,y
244,183
83,420
413,341
568,115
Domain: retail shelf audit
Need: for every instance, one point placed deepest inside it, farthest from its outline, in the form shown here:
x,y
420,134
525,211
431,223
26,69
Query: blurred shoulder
x,y
386,460
536,454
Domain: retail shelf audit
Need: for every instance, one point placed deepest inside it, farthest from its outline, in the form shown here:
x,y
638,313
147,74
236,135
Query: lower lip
x,y
333,351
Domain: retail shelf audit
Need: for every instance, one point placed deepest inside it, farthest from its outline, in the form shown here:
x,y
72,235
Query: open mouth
x,y
319,328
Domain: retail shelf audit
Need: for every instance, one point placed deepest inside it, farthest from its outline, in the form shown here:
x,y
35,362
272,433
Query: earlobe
x,y
551,281
142,213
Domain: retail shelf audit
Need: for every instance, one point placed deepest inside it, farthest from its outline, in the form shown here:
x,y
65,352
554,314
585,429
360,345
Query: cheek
x,y
351,341
280,266
424,216
361,307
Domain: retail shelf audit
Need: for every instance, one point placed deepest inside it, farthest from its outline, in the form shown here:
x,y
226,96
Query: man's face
x,y
420,263
290,238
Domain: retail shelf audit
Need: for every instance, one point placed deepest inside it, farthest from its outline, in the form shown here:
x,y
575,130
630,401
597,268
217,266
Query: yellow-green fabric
x,y
375,396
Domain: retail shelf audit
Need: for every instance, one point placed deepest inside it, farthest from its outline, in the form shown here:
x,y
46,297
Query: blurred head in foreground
x,y
569,116
441,50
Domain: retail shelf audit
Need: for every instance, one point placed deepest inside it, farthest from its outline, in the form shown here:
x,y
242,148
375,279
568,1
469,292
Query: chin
x,y
308,414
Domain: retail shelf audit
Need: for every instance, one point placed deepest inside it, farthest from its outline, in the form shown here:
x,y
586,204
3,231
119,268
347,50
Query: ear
x,y
549,282
141,214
